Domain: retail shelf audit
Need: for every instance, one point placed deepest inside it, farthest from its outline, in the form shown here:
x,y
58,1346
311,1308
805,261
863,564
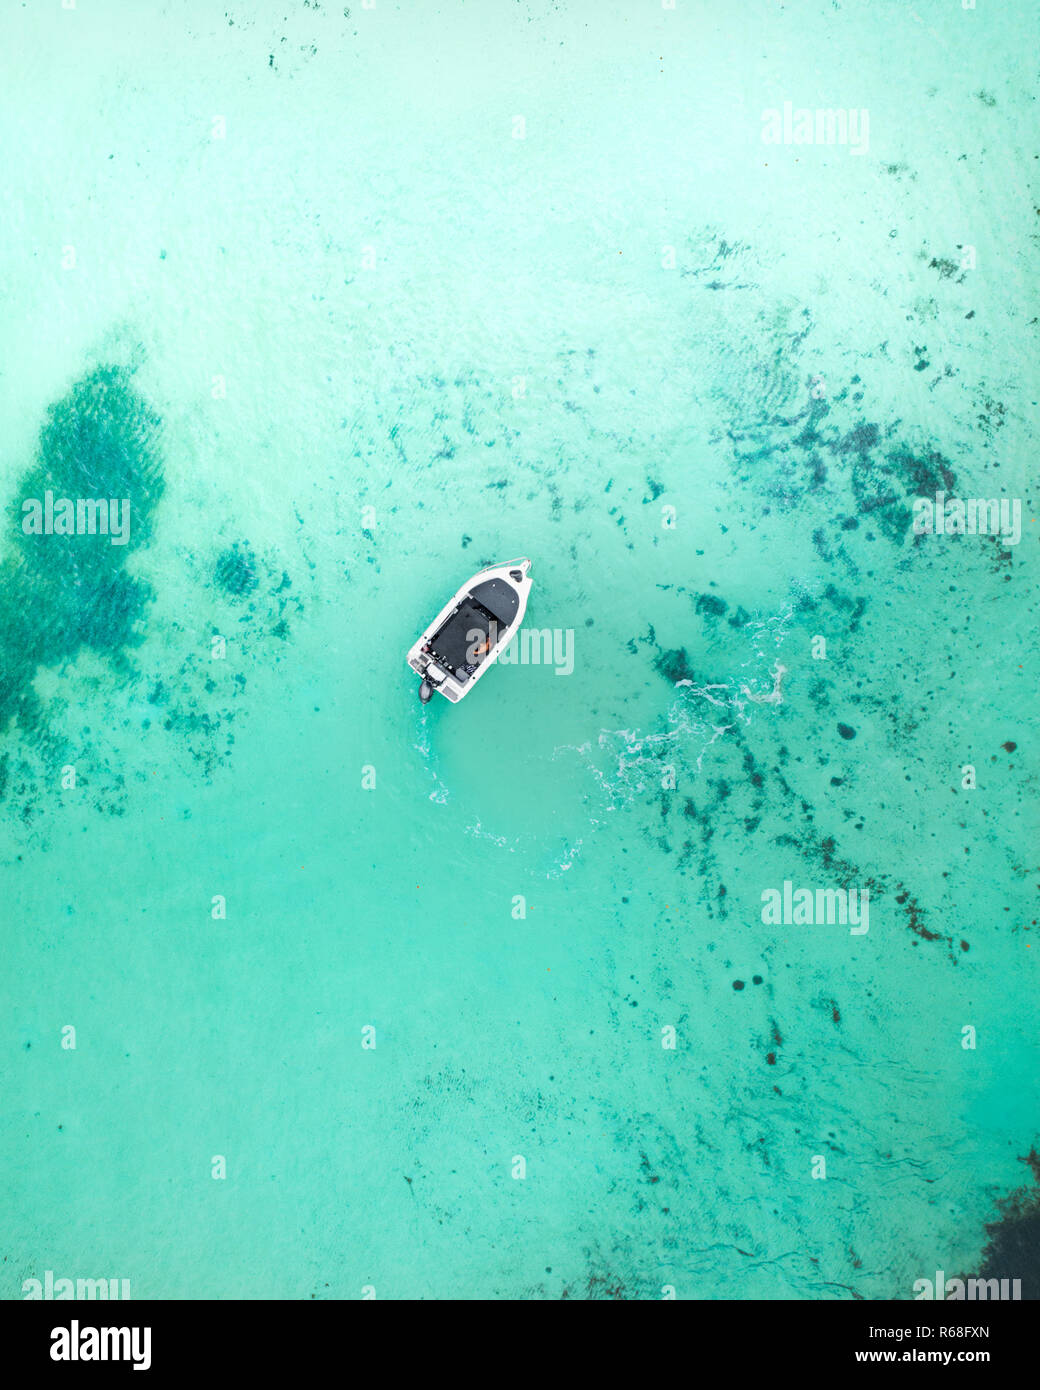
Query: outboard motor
x,y
433,678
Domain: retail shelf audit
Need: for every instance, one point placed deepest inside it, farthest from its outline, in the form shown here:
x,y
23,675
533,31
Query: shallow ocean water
x,y
289,279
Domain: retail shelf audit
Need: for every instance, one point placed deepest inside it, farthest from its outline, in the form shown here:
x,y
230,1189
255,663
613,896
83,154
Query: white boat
x,y
465,639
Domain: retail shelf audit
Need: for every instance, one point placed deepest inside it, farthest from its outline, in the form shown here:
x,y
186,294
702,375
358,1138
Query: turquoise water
x,y
296,280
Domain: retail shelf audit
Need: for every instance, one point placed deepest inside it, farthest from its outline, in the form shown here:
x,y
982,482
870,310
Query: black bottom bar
x,y
177,1341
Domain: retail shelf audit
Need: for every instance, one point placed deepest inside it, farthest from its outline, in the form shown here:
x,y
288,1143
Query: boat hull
x,y
470,632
